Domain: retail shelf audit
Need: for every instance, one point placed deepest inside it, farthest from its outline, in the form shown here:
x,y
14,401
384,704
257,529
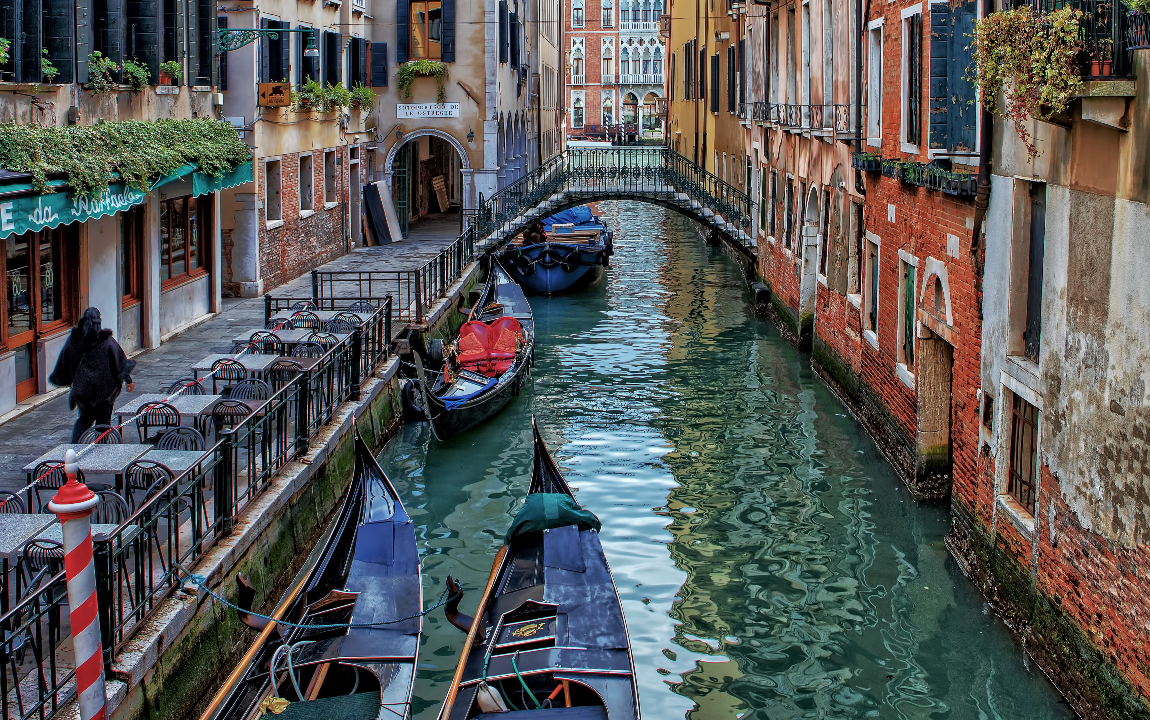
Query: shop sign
x,y
427,110
36,212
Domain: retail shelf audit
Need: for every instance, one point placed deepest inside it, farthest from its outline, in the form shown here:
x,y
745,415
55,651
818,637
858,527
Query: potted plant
x,y
335,97
100,71
136,75
362,97
170,73
912,173
890,168
1102,58
867,161
408,71
47,69
5,46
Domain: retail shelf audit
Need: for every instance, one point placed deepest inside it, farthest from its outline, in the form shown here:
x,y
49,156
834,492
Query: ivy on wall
x,y
407,73
135,151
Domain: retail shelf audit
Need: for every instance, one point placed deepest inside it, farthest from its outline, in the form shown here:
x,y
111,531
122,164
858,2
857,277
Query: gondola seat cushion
x,y
489,349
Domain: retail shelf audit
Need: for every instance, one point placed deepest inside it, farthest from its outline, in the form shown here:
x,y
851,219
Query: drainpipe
x,y
860,21
982,199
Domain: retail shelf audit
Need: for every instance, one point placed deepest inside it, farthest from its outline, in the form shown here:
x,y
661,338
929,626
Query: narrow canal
x,y
769,562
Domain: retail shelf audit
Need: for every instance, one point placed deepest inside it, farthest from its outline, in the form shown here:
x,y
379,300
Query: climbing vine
x,y
407,73
1032,60
136,151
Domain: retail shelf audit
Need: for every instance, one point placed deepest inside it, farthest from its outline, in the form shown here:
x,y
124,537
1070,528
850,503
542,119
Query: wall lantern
x,y
470,135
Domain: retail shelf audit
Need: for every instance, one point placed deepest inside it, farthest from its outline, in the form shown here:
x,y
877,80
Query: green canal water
x,y
769,562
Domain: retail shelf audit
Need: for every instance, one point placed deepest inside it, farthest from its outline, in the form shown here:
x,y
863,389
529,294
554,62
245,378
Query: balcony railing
x,y
607,79
577,79
641,79
643,26
839,118
1108,34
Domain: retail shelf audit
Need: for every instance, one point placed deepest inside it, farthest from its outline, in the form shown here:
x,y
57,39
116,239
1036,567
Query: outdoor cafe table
x,y
55,531
192,406
288,337
15,530
323,315
178,461
93,459
255,364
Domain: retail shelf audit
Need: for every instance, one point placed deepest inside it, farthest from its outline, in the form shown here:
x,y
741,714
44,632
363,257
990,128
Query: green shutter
x,y
908,315
763,200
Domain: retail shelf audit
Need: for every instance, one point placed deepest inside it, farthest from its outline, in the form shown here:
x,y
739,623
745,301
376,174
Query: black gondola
x,y
551,641
360,611
486,365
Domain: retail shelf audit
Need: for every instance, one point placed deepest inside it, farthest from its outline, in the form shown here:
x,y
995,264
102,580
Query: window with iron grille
x,y
1023,452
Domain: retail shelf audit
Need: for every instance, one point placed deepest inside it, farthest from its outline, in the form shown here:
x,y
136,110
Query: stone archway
x,y
468,199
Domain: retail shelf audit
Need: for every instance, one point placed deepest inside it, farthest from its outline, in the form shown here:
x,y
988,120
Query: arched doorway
x,y
429,176
652,121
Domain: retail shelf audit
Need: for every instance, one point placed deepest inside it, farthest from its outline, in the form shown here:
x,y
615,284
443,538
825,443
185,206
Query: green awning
x,y
21,213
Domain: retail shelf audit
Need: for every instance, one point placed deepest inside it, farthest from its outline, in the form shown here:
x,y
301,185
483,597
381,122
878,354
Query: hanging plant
x,y
1032,60
100,71
407,73
136,75
5,46
312,95
362,97
336,96
135,151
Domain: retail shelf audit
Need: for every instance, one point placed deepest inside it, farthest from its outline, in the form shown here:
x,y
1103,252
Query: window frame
x,y
268,190
433,53
133,231
309,178
331,177
871,287
578,14
202,225
907,265
910,106
1023,490
875,42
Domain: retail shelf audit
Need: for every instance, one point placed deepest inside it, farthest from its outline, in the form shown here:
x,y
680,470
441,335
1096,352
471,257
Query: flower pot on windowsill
x,y
866,163
167,78
1101,68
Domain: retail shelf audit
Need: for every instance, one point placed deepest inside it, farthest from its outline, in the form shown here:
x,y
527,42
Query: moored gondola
x,y
349,638
565,252
486,365
549,639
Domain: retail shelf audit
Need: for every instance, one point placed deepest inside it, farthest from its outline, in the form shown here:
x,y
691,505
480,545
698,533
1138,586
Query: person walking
x,y
95,366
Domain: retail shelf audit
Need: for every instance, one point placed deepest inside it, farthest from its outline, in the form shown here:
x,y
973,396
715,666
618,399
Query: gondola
x,y
360,611
486,365
550,640
562,253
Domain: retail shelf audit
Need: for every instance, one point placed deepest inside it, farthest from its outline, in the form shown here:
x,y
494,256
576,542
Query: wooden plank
x,y
439,182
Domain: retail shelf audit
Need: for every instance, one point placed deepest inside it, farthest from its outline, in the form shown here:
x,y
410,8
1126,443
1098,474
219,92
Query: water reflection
x,y
769,563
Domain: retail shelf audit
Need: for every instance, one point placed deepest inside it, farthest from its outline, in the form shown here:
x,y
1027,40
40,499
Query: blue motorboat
x,y
565,252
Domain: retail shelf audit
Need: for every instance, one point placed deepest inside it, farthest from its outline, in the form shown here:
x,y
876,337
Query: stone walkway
x,y
27,437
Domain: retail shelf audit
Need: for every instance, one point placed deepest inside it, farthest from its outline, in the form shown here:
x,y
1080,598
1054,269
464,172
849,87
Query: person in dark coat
x,y
94,364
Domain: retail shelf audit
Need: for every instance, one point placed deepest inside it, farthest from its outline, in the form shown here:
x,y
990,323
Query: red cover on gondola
x,y
489,349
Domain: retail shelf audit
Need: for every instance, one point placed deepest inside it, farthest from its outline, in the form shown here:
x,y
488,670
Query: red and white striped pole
x,y
73,506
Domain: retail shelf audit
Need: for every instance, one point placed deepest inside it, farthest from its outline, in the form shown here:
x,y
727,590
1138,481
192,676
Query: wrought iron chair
x,y
323,338
10,503
102,435
274,324
281,372
51,477
155,416
349,318
141,476
362,306
342,327
227,371
303,305
187,386
305,319
41,560
111,509
309,350
265,343
182,438
251,390
228,413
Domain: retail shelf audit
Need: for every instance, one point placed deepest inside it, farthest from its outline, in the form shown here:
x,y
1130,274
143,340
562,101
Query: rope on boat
x,y
201,582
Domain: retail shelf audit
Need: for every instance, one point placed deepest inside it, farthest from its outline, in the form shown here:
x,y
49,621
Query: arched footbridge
x,y
652,175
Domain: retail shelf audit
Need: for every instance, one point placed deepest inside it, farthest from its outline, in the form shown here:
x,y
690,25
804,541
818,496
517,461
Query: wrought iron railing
x,y
376,329
1105,40
1137,31
31,683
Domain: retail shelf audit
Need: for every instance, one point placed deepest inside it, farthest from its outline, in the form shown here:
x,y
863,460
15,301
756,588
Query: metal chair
x,y
349,318
303,305
187,386
228,371
305,319
142,475
362,306
111,509
181,438
274,324
309,350
265,343
102,435
50,476
10,503
323,338
155,416
342,327
40,561
250,390
281,372
228,413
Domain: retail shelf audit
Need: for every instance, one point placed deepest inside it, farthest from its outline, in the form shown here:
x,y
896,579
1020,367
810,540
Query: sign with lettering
x,y
427,110
274,94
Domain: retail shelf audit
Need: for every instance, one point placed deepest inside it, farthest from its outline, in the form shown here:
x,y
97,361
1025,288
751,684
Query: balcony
x,y
644,26
607,79
1108,33
641,79
837,118
577,80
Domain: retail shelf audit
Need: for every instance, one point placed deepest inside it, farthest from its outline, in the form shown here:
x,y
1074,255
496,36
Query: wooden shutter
x,y
503,34
191,68
741,80
962,114
914,79
908,315
332,58
402,31
513,38
379,64
223,71
265,52
285,53
731,79
447,37
702,70
142,31
59,26
940,26
361,60
715,83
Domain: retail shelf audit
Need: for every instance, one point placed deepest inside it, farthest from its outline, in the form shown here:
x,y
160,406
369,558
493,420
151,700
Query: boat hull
x,y
449,422
555,268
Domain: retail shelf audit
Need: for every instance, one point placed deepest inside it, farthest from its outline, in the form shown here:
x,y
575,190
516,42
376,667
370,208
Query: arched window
x,y
606,65
651,121
608,109
624,63
577,113
647,62
647,11
577,66
658,69
631,109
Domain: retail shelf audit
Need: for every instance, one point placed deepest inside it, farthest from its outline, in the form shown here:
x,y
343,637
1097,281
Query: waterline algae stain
x,y
769,562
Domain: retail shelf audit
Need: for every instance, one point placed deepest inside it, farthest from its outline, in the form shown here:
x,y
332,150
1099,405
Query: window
x,y
874,85
608,67
773,59
330,176
953,111
906,314
789,209
658,69
805,58
275,63
857,258
987,411
911,77
333,58
306,183
577,113
714,83
357,62
732,79
131,255
308,67
608,19
773,217
504,32
828,60
608,109
1023,472
703,80
273,191
1032,335
426,29
870,298
763,203
577,13
824,239
378,63
182,233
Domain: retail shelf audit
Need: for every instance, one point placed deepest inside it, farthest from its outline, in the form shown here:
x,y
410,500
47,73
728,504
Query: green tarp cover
x,y
23,213
543,511
361,706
